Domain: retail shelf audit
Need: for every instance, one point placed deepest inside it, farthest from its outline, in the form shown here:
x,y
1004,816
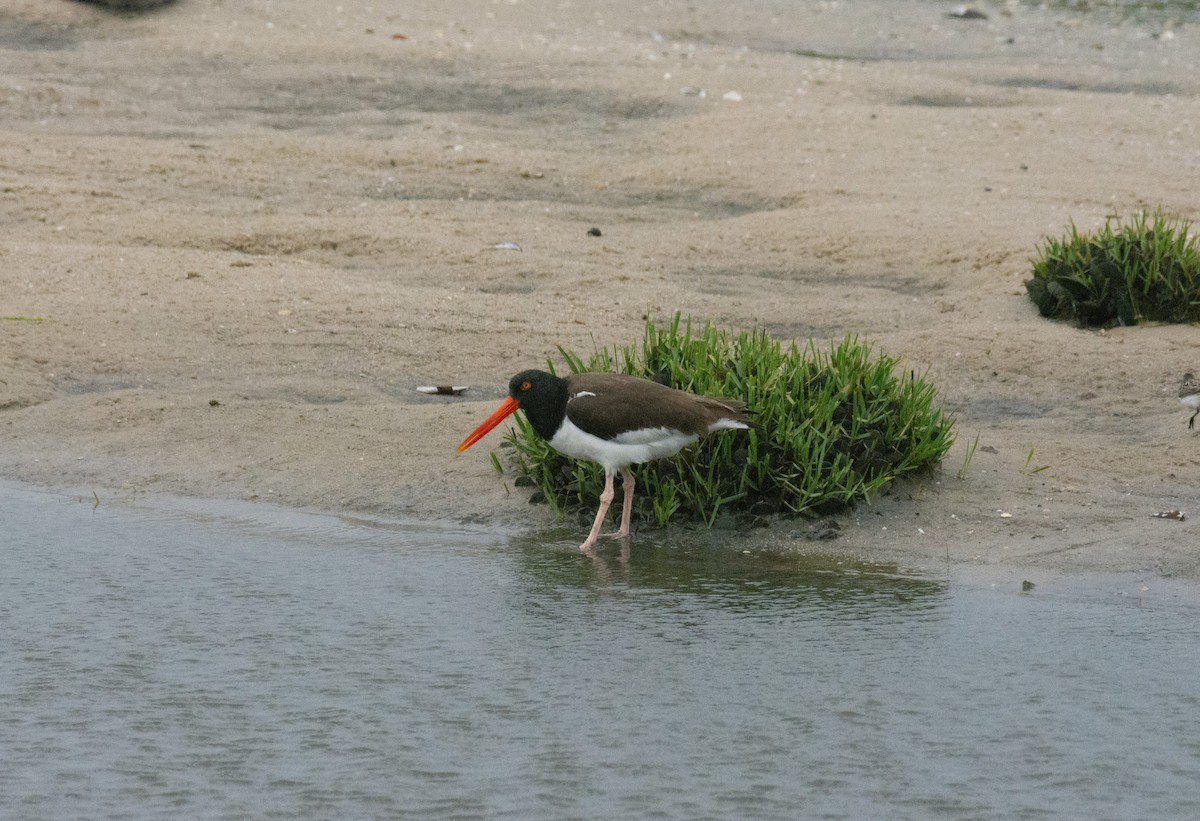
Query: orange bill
x,y
508,406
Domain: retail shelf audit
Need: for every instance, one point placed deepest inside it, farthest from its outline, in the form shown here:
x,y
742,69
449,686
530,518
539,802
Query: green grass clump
x,y
829,429
1132,274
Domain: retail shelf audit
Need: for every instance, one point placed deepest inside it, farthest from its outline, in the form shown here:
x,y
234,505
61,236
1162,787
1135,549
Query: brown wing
x,y
609,404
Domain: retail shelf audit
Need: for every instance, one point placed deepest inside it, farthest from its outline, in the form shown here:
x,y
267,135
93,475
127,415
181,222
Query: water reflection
x,y
719,574
186,659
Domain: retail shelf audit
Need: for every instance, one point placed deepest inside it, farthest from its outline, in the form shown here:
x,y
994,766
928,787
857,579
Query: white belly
x,y
627,449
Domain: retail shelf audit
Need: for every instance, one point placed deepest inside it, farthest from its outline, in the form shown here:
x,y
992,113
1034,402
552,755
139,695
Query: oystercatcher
x,y
615,420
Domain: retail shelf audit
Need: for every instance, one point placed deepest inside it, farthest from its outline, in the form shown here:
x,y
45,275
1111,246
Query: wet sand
x,y
238,236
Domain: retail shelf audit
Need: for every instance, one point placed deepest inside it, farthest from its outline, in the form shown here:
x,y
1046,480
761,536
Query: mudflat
x,y
237,236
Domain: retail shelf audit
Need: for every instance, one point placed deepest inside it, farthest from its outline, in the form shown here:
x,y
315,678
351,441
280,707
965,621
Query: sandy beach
x,y
237,236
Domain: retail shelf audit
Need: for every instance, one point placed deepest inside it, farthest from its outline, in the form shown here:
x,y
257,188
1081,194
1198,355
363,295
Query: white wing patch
x,y
645,436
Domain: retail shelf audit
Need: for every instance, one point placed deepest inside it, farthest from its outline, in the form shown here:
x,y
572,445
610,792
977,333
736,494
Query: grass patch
x,y
830,428
1136,272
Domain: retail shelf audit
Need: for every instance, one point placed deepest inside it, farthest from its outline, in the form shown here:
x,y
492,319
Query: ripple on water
x,y
227,660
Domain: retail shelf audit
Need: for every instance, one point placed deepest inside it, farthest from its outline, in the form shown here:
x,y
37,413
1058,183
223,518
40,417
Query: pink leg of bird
x,y
626,503
605,500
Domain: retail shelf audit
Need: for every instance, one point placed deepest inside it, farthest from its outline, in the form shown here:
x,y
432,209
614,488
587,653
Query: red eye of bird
x,y
526,385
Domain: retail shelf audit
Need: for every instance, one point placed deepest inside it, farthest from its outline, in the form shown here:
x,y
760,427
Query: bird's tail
x,y
729,413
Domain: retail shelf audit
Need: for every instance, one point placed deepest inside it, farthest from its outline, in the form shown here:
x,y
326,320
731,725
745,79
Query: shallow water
x,y
176,658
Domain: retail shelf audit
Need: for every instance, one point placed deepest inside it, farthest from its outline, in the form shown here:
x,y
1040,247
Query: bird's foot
x,y
621,535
